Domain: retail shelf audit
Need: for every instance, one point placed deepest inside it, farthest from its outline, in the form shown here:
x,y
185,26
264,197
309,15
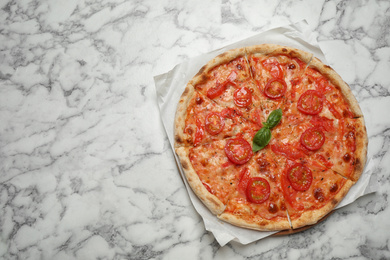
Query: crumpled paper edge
x,y
170,85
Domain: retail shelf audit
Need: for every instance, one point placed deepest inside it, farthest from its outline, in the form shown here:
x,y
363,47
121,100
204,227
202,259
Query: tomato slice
x,y
275,88
244,179
214,123
287,150
219,88
199,132
311,102
242,97
258,190
273,66
238,150
313,138
216,91
300,177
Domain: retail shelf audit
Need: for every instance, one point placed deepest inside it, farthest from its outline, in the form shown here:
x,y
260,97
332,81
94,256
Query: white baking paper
x,y
170,86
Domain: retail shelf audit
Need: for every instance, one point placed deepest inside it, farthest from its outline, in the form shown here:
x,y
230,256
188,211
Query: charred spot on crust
x,y
185,92
357,162
178,139
328,67
284,50
201,70
334,202
184,164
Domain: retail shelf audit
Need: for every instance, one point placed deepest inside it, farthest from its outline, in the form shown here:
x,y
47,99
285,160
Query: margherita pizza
x,y
269,137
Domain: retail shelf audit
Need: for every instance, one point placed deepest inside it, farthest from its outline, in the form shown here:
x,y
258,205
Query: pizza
x,y
269,137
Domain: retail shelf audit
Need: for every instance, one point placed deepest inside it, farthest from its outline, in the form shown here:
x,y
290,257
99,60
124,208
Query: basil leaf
x,y
273,118
261,139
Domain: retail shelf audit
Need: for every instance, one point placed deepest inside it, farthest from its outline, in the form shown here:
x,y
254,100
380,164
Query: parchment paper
x,y
170,86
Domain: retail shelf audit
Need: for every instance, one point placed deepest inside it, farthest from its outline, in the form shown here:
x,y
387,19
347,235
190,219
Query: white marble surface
x,y
86,170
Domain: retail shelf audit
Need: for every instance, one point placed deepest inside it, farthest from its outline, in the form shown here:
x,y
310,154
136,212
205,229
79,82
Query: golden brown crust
x,y
180,117
335,78
260,224
313,216
361,148
223,58
273,49
208,199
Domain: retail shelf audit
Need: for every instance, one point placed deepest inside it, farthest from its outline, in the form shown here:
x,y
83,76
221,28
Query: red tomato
x,y
323,123
242,97
214,123
300,177
311,102
313,138
287,150
199,132
238,150
216,91
273,67
275,88
258,190
219,88
243,184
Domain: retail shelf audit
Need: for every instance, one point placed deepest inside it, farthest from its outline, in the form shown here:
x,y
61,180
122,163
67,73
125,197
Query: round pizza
x,y
269,137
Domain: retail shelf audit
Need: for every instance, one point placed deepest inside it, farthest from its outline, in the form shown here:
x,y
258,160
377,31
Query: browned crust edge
x,y
264,225
209,200
313,216
225,57
274,49
336,79
361,149
181,114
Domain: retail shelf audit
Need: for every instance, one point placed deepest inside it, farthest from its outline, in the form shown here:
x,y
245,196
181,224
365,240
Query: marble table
x,y
86,169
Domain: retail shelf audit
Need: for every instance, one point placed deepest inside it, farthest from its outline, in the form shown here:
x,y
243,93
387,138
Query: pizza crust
x,y
261,225
273,49
181,113
313,216
208,199
361,148
336,79
203,74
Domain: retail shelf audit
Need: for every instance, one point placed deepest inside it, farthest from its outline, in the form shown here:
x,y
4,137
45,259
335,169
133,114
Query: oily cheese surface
x,y
314,154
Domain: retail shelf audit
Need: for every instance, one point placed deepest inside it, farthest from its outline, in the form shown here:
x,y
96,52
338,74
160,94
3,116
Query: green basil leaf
x,y
274,118
261,139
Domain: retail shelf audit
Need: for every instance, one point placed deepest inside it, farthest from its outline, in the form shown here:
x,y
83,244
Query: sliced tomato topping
x,y
311,102
287,150
199,132
244,179
216,91
323,85
214,123
258,190
219,88
323,123
242,97
273,66
275,88
332,109
300,177
313,138
238,150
